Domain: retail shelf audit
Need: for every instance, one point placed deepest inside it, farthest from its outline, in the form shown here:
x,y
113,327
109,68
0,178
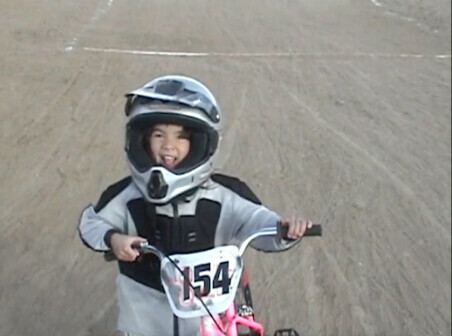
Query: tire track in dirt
x,y
55,148
383,265
277,124
368,323
398,301
232,124
377,163
28,136
42,196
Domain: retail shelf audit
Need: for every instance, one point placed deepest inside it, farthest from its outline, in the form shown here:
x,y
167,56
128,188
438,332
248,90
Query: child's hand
x,y
296,226
122,246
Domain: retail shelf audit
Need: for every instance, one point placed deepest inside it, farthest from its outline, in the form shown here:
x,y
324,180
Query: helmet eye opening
x,y
203,141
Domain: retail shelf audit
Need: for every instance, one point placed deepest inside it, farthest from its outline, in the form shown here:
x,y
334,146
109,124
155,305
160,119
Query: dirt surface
x,y
338,110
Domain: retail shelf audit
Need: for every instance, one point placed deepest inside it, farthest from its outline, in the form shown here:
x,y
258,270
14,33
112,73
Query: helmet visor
x,y
175,91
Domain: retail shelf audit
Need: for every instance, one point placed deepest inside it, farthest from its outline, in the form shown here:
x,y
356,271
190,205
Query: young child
x,y
173,200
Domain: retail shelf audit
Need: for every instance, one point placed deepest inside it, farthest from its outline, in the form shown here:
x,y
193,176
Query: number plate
x,y
214,276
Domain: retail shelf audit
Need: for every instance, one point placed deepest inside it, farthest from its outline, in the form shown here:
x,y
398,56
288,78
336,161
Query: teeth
x,y
168,160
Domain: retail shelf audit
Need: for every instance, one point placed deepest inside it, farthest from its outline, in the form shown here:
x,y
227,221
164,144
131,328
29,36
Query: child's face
x,y
169,144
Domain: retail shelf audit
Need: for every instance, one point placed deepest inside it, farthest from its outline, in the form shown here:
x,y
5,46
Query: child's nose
x,y
168,143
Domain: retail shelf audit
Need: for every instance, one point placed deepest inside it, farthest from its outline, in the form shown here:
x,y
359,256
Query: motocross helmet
x,y
172,100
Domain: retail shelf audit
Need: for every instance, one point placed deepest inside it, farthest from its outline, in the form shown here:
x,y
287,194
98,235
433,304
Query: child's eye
x,y
184,135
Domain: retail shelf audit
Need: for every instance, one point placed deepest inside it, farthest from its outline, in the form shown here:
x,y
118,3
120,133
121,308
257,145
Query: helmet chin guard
x,y
159,185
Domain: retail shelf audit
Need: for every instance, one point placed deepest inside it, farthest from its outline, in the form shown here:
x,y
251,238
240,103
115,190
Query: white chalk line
x,y
402,17
275,54
101,10
376,3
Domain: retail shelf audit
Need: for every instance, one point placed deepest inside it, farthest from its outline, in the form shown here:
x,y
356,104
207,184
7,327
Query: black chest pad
x,y
178,234
188,233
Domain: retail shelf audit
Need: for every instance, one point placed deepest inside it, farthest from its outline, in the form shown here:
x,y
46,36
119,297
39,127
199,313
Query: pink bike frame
x,y
229,323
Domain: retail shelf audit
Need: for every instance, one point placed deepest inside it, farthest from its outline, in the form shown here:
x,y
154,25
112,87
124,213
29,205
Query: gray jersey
x,y
144,310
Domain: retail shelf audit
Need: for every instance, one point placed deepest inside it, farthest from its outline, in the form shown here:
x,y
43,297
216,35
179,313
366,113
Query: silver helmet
x,y
172,100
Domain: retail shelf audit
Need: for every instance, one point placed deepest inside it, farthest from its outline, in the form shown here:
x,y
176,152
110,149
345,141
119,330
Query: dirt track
x,y
340,111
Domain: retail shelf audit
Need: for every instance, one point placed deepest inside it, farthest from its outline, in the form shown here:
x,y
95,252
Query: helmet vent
x,y
157,186
169,87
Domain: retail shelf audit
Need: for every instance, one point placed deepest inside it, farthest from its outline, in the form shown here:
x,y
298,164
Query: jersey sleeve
x,y
108,215
240,218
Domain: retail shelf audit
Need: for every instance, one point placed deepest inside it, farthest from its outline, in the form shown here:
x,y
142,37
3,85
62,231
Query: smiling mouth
x,y
169,161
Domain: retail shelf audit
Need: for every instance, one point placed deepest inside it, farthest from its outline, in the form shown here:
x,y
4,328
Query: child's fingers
x,y
291,230
299,228
293,227
296,226
307,224
125,251
124,254
301,225
132,254
128,254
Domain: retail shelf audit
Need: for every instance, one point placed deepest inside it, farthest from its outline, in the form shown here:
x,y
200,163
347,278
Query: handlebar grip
x,y
314,231
109,256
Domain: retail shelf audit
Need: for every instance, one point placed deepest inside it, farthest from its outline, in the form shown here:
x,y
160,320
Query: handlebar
x,y
314,231
276,231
